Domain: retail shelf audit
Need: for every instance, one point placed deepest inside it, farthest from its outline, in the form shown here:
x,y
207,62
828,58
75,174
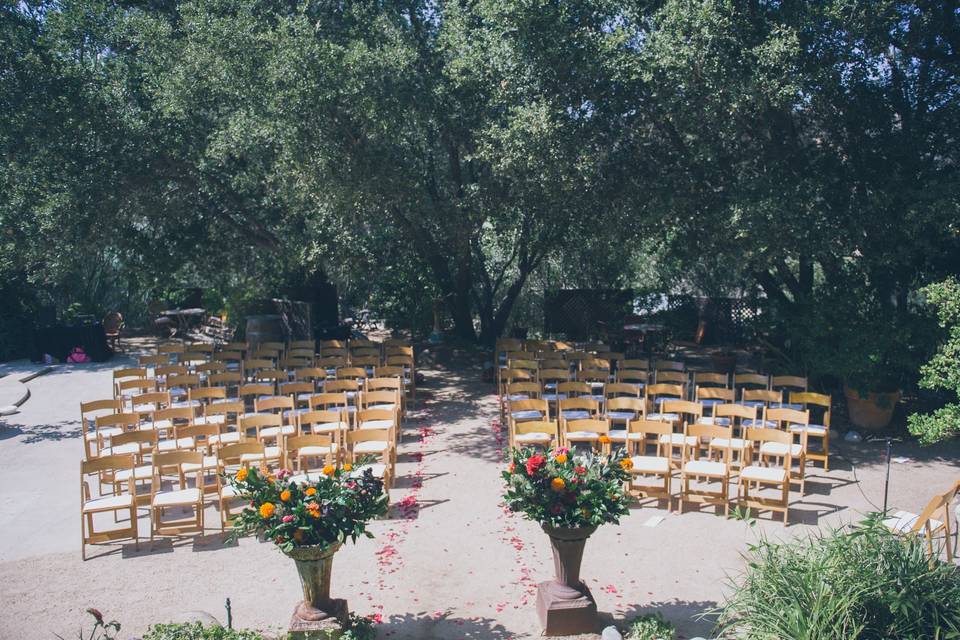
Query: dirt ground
x,y
448,562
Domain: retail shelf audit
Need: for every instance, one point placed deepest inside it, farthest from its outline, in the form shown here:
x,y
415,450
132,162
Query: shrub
x,y
942,372
196,631
859,583
650,627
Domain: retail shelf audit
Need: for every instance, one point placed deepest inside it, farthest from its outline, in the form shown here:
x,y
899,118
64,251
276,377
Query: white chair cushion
x,y
553,397
317,451
678,439
383,407
173,445
621,415
769,424
663,417
371,446
143,472
533,437
227,491
231,437
582,435
812,429
735,443
617,435
719,421
528,414
326,427
215,419
185,403
209,463
575,414
270,453
182,496
712,402
705,468
273,432
904,521
108,503
376,424
779,449
302,478
764,474
650,464
518,396
121,449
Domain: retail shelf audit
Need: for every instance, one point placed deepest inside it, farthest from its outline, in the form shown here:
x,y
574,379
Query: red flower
x,y
556,509
534,463
580,470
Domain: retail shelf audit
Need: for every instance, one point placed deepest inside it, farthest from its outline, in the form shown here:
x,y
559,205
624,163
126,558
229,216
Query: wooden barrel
x,y
268,328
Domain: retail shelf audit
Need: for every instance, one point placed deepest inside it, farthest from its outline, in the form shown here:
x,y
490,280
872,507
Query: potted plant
x,y
309,521
569,494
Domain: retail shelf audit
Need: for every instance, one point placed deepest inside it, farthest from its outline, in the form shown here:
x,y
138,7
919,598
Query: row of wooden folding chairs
x,y
706,451
105,418
169,474
305,349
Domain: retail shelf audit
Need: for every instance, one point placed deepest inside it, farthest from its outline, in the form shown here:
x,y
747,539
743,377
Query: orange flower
x,y
285,495
561,458
310,491
557,484
329,469
313,510
627,464
604,439
266,510
242,474
348,467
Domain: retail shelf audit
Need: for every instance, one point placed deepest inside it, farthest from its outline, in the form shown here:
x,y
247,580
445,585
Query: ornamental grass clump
x,y
857,583
562,488
320,512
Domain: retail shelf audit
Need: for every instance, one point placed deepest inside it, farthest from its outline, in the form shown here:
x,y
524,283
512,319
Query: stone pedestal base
x,y
565,611
308,623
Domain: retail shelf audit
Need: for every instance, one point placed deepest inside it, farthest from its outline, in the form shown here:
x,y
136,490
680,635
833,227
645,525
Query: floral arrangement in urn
x,y
293,511
560,488
309,518
570,494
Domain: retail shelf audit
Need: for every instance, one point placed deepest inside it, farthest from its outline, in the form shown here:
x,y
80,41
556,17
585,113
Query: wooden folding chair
x,y
535,433
934,519
657,466
115,502
525,410
232,458
592,431
372,442
89,412
823,403
783,419
767,474
180,494
258,422
694,467
301,449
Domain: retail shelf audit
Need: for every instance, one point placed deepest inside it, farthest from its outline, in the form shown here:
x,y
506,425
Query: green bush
x,y
650,627
942,372
858,583
196,631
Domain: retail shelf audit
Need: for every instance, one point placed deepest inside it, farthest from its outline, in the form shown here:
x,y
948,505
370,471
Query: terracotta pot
x,y
565,605
314,565
871,411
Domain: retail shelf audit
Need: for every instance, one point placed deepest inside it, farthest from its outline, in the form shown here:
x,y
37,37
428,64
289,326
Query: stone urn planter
x,y
318,612
870,411
564,604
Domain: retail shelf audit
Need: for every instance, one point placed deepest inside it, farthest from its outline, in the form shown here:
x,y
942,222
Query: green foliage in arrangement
x,y
323,511
861,582
197,631
942,372
650,627
567,489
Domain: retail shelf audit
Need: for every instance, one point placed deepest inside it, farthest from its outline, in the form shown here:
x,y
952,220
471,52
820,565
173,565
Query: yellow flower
x,y
285,495
627,464
310,491
347,467
266,510
329,469
561,458
242,475
557,484
604,439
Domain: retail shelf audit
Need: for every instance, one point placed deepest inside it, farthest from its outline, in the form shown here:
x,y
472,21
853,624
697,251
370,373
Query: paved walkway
x,y
448,563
